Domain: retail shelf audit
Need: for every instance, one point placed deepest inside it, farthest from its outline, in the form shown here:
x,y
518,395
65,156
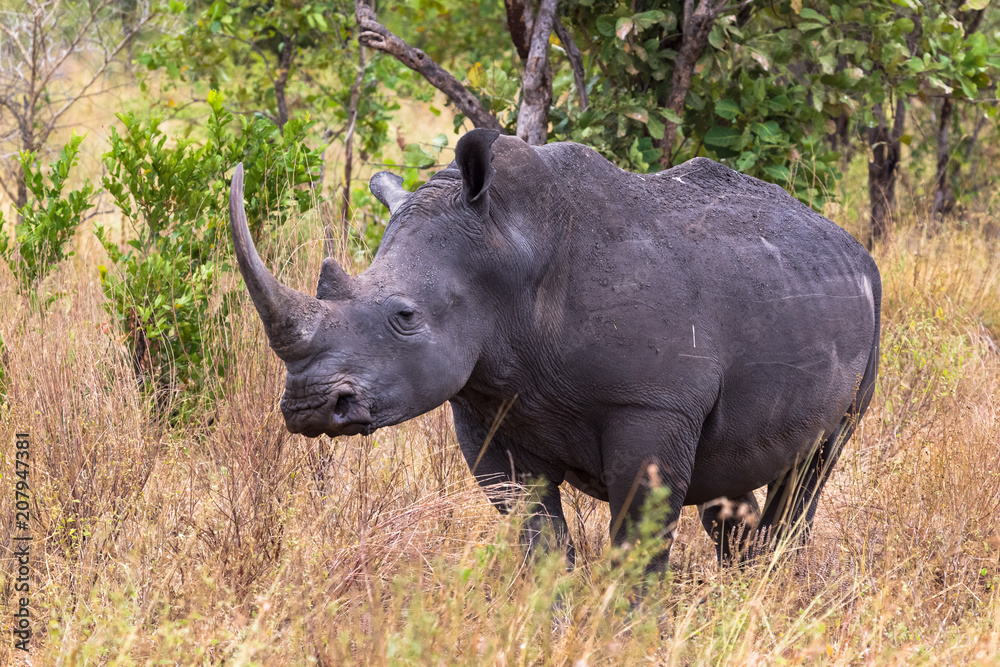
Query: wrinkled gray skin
x,y
696,319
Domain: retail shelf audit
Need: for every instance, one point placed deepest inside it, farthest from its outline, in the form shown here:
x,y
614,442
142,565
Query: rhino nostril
x,y
343,405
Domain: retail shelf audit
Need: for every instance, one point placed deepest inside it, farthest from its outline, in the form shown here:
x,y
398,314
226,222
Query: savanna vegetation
x,y
175,521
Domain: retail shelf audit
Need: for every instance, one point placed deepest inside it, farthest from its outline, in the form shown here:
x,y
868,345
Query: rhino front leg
x,y
545,511
501,470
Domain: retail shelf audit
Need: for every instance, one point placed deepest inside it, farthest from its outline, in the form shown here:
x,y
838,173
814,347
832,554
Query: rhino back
x,y
696,290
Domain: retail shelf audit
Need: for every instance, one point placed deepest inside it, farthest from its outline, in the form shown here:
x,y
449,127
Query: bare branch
x,y
536,84
576,61
12,37
375,35
47,35
109,58
942,187
69,49
698,23
285,63
11,193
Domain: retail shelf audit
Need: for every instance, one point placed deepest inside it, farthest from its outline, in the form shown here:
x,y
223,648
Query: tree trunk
x,y
839,140
352,119
885,149
970,146
942,185
29,144
698,24
944,196
284,71
536,83
21,190
519,23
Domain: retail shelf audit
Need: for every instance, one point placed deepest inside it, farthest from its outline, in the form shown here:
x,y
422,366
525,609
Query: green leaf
x,y
415,156
640,115
978,5
828,62
655,127
811,14
778,173
903,25
968,88
717,38
724,137
606,25
440,141
623,27
769,132
727,109
746,161
645,20
672,116
779,103
411,178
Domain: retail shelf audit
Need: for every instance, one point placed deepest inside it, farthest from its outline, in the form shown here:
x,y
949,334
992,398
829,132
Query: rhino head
x,y
401,338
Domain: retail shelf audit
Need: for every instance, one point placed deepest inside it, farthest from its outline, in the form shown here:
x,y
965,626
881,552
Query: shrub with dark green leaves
x,y
174,192
746,106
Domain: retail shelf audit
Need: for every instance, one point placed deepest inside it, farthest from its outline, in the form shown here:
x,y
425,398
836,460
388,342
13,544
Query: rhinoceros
x,y
586,323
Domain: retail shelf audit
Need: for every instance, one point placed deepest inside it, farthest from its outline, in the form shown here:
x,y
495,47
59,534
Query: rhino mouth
x,y
344,414
353,429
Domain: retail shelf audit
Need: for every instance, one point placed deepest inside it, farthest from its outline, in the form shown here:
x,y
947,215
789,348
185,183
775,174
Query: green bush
x,y
47,221
174,192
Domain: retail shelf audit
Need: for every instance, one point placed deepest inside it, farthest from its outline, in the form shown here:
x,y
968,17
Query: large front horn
x,y
289,316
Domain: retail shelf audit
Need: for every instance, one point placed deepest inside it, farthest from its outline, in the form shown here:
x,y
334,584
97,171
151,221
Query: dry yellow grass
x,y
236,543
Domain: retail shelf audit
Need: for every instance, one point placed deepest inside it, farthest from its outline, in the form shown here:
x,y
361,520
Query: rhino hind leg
x,y
730,522
792,499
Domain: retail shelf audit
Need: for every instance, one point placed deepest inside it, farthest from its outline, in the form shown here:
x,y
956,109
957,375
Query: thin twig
x,y
576,61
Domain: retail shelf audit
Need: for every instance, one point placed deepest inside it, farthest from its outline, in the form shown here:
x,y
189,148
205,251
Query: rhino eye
x,y
405,320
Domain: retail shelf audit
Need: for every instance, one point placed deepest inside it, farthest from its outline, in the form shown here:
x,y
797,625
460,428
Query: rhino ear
x,y
388,189
474,155
334,283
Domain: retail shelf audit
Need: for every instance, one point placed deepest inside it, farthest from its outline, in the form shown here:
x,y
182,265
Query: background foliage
x,y
175,198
